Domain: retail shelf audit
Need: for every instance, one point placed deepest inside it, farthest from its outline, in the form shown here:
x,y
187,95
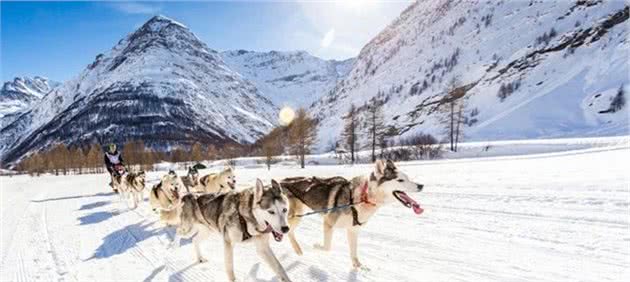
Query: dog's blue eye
x,y
271,212
400,180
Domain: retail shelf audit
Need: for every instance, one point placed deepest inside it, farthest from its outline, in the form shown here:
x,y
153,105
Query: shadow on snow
x,y
96,217
94,205
124,239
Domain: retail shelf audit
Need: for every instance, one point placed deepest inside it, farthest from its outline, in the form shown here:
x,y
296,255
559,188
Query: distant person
x,y
112,159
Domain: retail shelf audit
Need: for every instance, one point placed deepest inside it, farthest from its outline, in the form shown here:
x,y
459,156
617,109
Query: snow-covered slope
x,y
563,60
160,84
19,94
288,78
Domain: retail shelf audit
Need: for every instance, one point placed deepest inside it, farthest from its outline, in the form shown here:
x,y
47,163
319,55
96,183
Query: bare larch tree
x,y
302,135
375,125
349,135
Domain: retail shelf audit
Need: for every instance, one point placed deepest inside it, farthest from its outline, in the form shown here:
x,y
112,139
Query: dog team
x,y
198,206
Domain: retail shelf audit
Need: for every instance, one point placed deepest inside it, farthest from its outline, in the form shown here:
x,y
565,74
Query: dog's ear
x,y
258,190
379,168
390,165
228,167
390,170
276,186
172,173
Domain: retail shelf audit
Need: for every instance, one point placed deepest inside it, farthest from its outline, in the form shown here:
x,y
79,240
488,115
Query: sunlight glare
x,y
286,115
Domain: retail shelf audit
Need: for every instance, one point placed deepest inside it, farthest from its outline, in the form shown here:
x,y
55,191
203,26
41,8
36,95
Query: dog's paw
x,y
202,260
359,267
320,247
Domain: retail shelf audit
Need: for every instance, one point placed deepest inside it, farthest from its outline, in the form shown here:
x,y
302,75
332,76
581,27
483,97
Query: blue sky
x,y
58,39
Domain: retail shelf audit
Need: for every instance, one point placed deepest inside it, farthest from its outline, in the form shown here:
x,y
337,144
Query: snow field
x,y
551,217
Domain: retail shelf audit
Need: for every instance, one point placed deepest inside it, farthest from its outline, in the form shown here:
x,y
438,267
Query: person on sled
x,y
113,162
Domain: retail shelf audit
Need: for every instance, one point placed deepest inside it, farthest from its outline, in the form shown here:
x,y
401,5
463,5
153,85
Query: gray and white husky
x,y
346,203
135,187
191,180
222,182
166,195
249,215
130,186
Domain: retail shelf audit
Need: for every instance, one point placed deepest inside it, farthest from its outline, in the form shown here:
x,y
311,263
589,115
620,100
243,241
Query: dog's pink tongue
x,y
277,236
417,209
414,205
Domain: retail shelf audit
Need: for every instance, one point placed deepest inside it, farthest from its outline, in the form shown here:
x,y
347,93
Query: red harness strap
x,y
365,195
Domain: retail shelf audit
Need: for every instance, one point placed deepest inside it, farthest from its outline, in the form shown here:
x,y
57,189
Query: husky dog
x,y
191,181
250,215
134,187
346,203
221,182
165,196
117,176
129,186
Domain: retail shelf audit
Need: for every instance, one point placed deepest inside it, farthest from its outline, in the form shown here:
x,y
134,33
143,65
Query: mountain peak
x,y
160,21
157,23
158,33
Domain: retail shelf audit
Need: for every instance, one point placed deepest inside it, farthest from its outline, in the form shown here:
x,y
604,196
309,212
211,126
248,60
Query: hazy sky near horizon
x,y
58,39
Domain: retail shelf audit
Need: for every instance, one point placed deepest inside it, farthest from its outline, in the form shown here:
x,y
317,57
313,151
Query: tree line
x,y
61,159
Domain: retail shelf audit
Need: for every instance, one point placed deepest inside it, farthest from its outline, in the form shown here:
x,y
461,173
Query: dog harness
x,y
364,199
365,196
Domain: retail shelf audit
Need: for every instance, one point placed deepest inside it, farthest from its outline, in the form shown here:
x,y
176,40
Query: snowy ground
x,y
547,217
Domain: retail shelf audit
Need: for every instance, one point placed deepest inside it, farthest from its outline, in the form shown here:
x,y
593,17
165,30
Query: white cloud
x,y
328,39
136,8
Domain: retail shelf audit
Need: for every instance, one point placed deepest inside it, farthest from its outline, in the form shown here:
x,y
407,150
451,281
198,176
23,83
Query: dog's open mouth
x,y
276,235
231,184
407,201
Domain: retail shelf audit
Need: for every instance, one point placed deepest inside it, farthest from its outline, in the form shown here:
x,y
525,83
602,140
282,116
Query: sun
x,y
286,115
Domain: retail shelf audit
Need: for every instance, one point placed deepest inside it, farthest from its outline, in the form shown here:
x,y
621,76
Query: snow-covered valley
x,y
546,217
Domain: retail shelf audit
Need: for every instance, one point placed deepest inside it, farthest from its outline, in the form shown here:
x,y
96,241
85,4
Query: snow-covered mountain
x,y
294,78
534,69
160,84
19,94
